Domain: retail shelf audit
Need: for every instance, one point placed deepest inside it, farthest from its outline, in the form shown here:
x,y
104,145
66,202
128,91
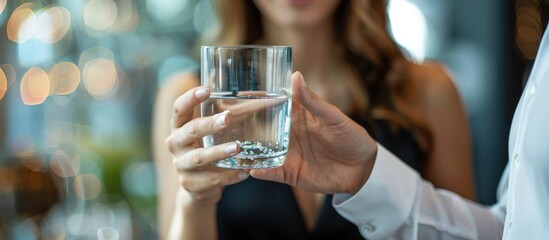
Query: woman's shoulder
x,y
179,83
430,83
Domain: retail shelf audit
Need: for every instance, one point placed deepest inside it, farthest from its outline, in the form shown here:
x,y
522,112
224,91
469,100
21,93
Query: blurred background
x,y
78,80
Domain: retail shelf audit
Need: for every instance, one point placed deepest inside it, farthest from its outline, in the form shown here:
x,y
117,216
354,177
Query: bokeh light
x,y
34,163
78,223
100,78
2,5
78,60
528,27
9,72
204,19
22,24
409,27
170,11
3,84
139,179
35,86
100,15
87,186
64,164
101,221
53,224
107,233
125,85
53,24
93,53
100,215
64,77
127,18
24,146
26,229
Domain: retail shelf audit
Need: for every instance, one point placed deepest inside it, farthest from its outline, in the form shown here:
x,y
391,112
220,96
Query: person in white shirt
x,y
388,200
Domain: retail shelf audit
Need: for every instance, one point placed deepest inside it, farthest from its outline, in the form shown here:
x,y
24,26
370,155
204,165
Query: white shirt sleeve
x,y
396,203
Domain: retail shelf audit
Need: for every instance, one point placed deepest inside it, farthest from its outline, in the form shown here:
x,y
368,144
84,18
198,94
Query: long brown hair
x,y
362,27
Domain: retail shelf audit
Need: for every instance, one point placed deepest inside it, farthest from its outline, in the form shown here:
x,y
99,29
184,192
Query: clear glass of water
x,y
253,82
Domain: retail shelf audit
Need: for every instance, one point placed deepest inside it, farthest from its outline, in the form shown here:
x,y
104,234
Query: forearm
x,y
396,203
191,220
441,214
168,182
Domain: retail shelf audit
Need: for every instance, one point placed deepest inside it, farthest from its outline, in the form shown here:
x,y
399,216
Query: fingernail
x,y
201,92
231,148
220,120
243,175
303,81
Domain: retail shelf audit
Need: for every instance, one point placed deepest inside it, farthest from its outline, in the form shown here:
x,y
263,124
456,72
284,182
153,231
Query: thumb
x,y
311,101
270,174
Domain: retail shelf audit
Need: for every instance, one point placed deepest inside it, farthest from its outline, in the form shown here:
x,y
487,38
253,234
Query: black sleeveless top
x,y
263,210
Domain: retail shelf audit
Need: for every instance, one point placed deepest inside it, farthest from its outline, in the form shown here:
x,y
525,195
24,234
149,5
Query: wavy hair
x,y
361,25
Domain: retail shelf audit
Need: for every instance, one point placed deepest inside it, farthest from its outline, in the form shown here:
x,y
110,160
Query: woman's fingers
x,y
198,176
202,181
212,195
245,109
199,157
183,107
313,103
196,129
270,174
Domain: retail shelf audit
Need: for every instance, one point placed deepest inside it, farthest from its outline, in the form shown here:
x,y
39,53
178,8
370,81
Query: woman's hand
x,y
203,181
328,152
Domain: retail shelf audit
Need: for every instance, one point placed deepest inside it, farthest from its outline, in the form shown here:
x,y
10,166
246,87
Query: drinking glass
x,y
254,83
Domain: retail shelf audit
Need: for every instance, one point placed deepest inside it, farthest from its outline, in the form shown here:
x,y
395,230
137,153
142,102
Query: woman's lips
x,y
299,2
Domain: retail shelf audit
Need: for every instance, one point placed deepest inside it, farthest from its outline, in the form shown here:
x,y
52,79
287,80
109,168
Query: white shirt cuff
x,y
384,203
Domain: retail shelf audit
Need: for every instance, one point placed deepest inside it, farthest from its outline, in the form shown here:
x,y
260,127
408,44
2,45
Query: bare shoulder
x,y
173,87
432,85
178,84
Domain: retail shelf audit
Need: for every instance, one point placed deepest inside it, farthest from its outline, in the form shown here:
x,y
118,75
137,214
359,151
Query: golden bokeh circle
x,y
3,84
53,24
64,164
2,5
9,72
100,78
100,15
22,24
64,77
87,186
35,86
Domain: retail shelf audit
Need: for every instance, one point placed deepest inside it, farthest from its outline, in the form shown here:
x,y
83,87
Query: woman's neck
x,y
313,48
319,56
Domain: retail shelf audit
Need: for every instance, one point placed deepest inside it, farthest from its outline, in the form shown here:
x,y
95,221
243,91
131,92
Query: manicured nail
x,y
243,175
200,93
230,149
303,83
220,119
